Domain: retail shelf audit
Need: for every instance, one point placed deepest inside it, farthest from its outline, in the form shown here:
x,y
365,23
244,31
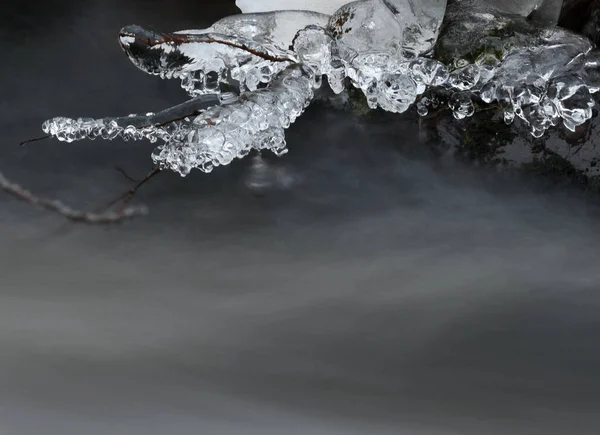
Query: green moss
x,y
484,136
226,87
593,184
358,102
554,168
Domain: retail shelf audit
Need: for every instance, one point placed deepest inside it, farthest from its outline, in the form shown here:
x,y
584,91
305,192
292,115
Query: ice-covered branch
x,y
543,76
152,126
397,52
256,120
205,60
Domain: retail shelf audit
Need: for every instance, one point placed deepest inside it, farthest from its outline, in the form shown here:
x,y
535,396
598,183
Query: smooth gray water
x,y
372,289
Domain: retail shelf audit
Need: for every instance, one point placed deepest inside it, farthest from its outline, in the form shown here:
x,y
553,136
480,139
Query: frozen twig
x,y
35,139
125,174
127,196
106,217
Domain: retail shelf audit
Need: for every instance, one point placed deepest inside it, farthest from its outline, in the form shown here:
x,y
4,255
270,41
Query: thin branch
x,y
187,109
127,196
236,42
35,139
125,174
179,118
107,217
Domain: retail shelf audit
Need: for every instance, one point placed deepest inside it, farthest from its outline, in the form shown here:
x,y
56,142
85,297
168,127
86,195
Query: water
x,y
365,287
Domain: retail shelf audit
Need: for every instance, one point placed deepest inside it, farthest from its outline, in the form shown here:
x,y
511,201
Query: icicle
x,y
256,120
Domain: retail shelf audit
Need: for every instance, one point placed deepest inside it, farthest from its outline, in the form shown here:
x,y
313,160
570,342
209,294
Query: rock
x,y
591,28
484,139
542,12
574,14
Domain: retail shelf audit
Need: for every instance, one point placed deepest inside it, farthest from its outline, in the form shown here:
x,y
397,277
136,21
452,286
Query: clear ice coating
x,y
251,75
203,61
542,76
545,12
322,6
228,131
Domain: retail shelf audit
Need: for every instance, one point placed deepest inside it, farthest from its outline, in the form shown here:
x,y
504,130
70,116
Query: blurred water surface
x,y
359,285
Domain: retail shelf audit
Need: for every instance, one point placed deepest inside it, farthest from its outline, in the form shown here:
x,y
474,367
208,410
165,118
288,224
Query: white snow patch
x,y
127,40
323,6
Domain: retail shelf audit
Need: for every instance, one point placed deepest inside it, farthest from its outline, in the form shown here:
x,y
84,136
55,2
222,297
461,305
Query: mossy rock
x,y
470,31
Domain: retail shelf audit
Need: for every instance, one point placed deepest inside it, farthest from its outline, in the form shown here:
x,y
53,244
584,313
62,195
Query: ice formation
x,y
541,75
322,6
254,120
544,12
251,75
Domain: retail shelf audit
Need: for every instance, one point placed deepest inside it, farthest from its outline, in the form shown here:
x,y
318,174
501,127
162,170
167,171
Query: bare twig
x,y
35,139
181,38
125,174
127,196
107,217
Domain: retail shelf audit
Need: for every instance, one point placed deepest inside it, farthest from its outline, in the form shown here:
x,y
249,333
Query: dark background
x,y
370,288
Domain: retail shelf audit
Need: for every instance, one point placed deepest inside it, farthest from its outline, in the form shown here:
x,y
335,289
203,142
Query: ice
x,y
461,105
203,60
251,75
150,126
70,130
244,50
315,48
540,75
465,78
322,6
429,72
573,101
396,92
545,12
256,120
278,28
401,28
487,54
374,42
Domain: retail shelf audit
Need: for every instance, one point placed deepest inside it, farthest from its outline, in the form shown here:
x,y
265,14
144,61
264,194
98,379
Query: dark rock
x,y
582,16
575,14
560,156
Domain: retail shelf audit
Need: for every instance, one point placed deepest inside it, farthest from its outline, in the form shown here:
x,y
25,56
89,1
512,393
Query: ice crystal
x,y
541,75
205,60
545,12
323,6
251,75
255,120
